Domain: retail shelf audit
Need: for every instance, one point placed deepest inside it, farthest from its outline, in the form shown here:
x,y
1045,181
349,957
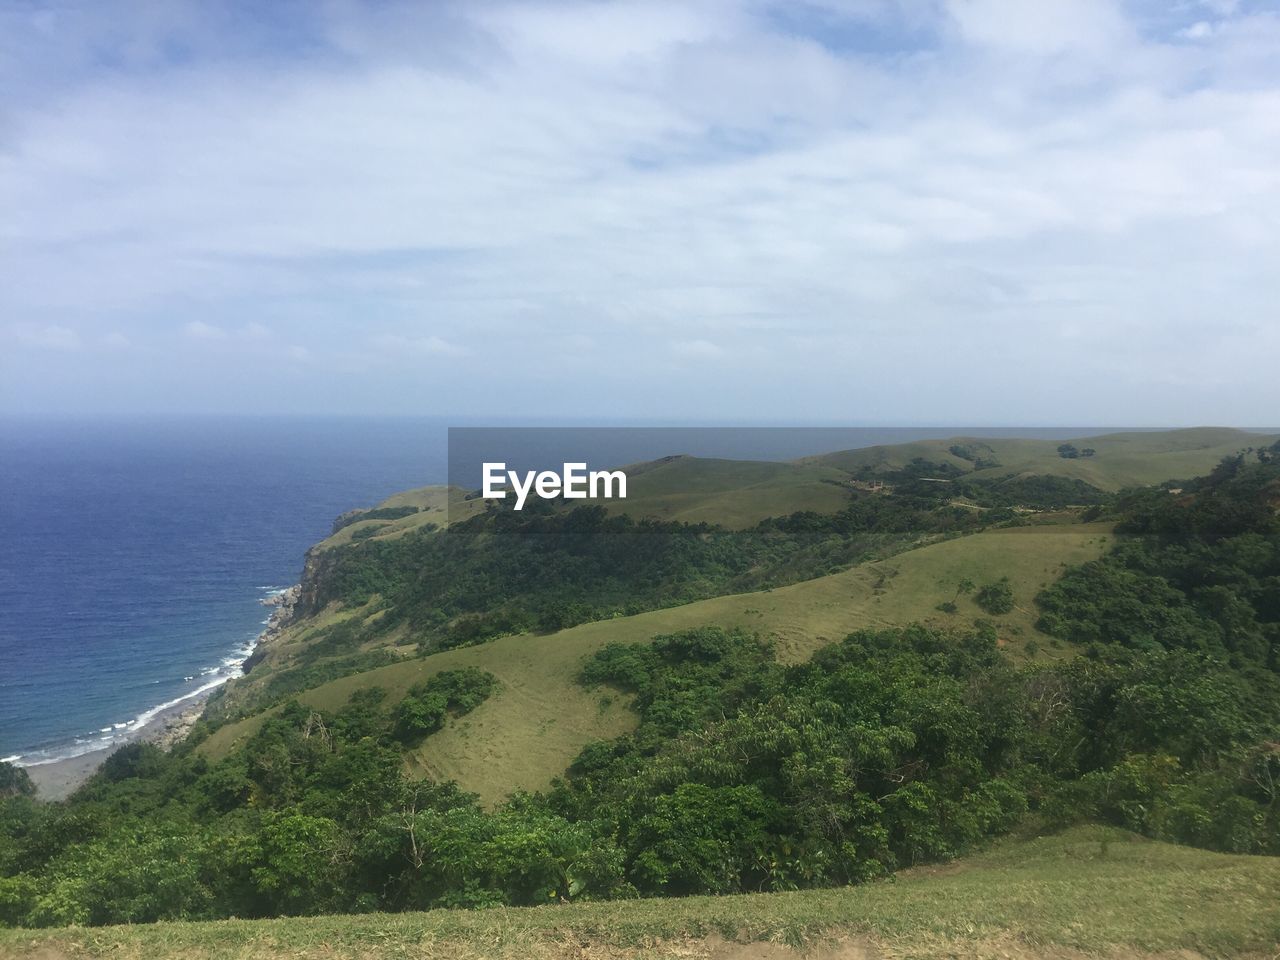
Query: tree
x,y
14,781
996,598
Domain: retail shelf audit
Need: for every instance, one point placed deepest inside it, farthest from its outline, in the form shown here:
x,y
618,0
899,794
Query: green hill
x,y
540,718
732,493
1090,891
1119,459
576,705
532,728
739,493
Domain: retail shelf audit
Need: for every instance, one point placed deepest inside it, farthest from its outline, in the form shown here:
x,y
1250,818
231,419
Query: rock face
x,y
314,568
286,605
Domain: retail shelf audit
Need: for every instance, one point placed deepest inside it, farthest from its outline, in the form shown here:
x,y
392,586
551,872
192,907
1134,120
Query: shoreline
x,y
58,779
167,727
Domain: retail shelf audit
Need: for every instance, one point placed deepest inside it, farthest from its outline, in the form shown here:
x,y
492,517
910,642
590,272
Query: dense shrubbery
x,y
547,569
1201,573
995,598
428,705
901,746
310,671
544,569
886,749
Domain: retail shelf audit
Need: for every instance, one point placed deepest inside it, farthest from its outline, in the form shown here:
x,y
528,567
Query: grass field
x,y
534,726
740,493
732,493
439,505
1087,892
1121,460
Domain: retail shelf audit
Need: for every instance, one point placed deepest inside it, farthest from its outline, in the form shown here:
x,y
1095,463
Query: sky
x,y
855,211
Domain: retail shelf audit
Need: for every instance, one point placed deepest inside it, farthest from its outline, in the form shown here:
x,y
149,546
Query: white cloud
x,y
47,336
930,185
1043,26
199,330
1223,8
696,350
394,344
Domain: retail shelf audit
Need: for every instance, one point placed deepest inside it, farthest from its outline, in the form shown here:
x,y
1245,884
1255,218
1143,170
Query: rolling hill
x,y
1120,459
533,727
739,493
600,709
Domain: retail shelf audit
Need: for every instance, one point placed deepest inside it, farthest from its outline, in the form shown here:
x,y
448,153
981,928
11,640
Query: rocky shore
x,y
284,604
59,779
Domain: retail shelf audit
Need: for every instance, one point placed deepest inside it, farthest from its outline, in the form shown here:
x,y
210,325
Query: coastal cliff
x,y
284,609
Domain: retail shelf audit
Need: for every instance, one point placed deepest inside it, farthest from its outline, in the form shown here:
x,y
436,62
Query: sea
x,y
135,553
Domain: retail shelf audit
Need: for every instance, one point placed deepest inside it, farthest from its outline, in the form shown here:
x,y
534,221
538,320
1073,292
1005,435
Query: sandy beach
x,y
58,779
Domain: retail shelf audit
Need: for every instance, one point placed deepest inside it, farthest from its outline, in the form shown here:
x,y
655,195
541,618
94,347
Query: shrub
x,y
995,598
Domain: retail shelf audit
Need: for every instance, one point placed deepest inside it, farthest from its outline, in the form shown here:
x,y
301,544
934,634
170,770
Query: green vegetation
x,y
658,708
503,572
377,513
428,705
1202,571
1120,460
531,729
995,598
1088,890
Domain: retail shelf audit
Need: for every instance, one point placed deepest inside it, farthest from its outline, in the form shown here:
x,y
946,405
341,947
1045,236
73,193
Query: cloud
x,y
1043,27
418,346
696,350
845,189
199,330
47,336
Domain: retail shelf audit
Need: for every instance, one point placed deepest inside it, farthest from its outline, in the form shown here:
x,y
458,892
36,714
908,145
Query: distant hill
x,y
1118,459
739,493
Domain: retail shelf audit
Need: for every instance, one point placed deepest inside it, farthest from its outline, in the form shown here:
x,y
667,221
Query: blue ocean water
x,y
133,554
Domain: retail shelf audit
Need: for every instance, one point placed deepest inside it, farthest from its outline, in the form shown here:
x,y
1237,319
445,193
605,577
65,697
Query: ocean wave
x,y
119,733
126,731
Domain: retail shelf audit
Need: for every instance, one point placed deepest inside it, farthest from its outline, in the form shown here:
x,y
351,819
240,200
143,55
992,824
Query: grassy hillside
x,y
738,493
438,505
731,493
538,721
1090,891
784,736
1120,460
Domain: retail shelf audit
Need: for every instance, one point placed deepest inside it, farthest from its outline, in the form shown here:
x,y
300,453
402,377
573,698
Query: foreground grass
x,y
1087,892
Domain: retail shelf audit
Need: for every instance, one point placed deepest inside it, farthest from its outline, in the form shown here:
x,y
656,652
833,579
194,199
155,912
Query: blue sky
x,y
945,211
